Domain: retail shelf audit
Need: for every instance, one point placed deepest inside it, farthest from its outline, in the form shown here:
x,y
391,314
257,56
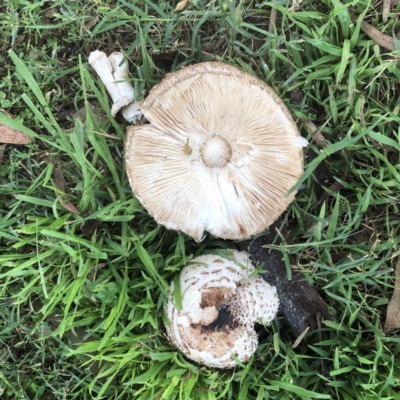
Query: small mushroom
x,y
222,300
115,77
219,155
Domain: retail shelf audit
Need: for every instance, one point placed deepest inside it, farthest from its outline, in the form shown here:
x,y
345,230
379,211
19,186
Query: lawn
x,y
84,269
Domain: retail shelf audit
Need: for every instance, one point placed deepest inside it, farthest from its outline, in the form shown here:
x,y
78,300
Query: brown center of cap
x,y
216,152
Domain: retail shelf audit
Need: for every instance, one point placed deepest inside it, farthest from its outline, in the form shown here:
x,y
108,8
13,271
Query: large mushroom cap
x,y
221,303
220,154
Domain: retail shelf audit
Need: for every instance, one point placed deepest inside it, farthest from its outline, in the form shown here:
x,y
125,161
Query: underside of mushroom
x,y
222,300
219,155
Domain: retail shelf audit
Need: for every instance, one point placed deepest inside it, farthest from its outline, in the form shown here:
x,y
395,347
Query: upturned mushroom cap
x,y
220,154
221,304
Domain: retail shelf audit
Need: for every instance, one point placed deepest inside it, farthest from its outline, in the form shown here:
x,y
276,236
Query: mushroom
x,y
115,74
222,300
219,155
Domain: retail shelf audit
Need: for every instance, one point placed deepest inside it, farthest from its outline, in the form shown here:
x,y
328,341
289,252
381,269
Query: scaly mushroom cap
x,y
221,304
220,154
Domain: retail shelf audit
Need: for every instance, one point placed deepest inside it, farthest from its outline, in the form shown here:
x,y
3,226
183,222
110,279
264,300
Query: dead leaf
x,y
91,22
377,36
19,39
393,308
59,183
12,136
297,97
181,5
50,13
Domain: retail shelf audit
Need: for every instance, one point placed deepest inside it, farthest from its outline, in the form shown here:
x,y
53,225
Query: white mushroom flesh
x,y
220,154
221,304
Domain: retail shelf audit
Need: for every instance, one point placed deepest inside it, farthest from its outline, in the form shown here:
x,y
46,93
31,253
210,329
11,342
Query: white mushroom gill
x,y
115,76
220,154
221,305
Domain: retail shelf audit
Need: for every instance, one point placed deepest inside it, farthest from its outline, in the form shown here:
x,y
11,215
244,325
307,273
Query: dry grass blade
x,y
59,183
12,136
393,309
316,134
2,149
272,20
377,36
386,9
300,337
295,5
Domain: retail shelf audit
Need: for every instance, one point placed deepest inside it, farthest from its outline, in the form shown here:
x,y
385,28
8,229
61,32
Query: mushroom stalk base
x,y
216,152
114,74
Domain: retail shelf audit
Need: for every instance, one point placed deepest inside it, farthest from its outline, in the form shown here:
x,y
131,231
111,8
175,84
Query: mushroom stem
x,y
115,77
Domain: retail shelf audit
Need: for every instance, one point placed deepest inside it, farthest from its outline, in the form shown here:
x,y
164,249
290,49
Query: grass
x,y
81,296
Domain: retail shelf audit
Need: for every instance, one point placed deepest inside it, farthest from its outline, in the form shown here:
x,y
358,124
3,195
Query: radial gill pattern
x,y
220,154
